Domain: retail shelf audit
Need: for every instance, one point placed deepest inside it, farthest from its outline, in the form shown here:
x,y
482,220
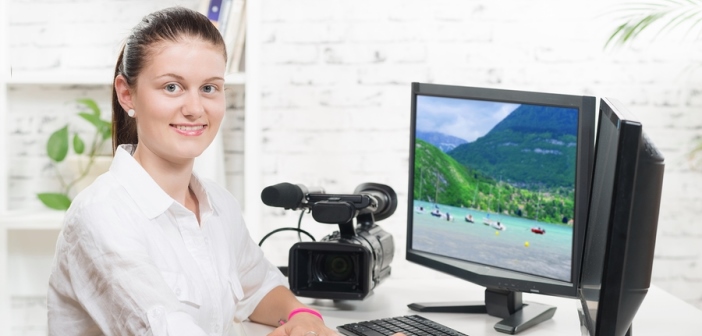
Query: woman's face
x,y
179,99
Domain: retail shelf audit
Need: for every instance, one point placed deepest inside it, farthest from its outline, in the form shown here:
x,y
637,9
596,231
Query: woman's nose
x,y
193,105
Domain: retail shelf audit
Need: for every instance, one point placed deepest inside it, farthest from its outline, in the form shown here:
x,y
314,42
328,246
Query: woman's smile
x,y
189,130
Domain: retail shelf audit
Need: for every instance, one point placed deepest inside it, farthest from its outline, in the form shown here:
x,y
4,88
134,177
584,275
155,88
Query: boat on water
x,y
443,215
538,230
498,226
494,224
469,218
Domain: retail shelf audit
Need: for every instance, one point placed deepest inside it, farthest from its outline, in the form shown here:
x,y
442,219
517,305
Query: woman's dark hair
x,y
170,24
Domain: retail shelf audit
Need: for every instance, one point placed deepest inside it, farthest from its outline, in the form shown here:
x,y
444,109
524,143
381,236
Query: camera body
x,y
341,267
349,263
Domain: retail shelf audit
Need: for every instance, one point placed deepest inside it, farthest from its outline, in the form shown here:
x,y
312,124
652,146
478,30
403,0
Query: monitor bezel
x,y
493,277
626,242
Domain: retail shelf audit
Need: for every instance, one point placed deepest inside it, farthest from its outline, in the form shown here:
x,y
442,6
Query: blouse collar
x,y
142,188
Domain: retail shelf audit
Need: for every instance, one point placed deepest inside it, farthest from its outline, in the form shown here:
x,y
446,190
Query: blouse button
x,y
157,312
177,291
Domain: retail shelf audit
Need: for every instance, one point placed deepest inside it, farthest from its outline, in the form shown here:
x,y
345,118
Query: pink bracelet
x,y
304,310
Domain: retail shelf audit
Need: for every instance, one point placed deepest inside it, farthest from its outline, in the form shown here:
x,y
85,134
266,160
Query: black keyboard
x,y
410,325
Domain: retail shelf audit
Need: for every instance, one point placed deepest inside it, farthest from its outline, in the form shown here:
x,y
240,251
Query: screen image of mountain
x,y
444,142
521,164
533,147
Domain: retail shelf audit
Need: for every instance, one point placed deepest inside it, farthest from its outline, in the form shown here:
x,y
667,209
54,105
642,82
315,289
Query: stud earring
x,y
131,113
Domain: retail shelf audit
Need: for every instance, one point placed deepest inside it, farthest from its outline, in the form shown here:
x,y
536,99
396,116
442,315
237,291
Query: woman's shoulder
x,y
101,204
103,191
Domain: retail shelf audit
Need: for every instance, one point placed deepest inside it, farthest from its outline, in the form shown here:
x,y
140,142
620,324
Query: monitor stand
x,y
516,315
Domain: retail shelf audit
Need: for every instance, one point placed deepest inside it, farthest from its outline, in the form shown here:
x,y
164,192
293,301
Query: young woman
x,y
150,248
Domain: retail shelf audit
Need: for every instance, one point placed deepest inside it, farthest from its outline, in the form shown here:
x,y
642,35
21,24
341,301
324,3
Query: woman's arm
x,y
102,266
275,308
280,302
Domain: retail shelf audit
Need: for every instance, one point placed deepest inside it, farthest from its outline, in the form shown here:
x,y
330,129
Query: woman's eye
x,y
209,88
171,87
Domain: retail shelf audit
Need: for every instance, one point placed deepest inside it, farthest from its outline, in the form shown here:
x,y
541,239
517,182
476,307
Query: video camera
x,y
349,263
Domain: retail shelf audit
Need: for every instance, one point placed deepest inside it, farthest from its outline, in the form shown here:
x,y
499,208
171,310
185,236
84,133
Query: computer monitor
x,y
622,224
498,194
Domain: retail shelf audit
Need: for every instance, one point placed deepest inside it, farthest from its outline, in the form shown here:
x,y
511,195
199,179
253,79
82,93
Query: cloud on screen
x,y
463,118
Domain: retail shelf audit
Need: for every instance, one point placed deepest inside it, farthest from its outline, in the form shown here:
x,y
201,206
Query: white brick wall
x,y
335,92
336,95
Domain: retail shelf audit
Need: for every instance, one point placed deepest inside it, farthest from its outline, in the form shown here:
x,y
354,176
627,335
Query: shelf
x,y
32,220
28,315
62,78
89,78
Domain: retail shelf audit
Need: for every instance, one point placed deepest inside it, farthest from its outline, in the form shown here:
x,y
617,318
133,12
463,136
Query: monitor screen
x,y
622,223
499,186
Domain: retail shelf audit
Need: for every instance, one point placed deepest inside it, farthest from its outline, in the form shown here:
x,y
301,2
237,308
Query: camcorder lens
x,y
336,267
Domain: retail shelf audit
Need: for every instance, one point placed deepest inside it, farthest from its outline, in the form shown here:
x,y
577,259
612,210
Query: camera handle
x,y
347,229
365,219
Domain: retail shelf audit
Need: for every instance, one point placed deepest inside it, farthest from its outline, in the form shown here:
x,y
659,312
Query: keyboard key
x,y
357,329
410,325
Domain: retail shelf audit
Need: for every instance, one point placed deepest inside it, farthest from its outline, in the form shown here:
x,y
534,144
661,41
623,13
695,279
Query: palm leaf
x,y
642,17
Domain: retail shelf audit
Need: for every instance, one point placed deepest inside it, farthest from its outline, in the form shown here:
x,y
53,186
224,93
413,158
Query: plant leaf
x,y
641,17
55,200
617,32
105,129
57,145
92,105
91,118
78,144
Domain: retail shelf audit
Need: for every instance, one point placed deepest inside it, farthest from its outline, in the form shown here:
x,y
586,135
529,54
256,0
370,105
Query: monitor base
x,y
517,316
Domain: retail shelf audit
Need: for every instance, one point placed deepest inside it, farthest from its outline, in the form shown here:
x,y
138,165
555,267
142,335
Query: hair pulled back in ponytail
x,y
168,25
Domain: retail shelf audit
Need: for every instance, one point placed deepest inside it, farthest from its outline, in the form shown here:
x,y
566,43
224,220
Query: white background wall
x,y
335,93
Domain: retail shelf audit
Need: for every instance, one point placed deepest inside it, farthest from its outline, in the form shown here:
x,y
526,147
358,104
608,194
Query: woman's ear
x,y
124,93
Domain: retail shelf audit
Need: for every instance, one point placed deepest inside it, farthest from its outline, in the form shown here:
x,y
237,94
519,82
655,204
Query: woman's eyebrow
x,y
178,77
171,75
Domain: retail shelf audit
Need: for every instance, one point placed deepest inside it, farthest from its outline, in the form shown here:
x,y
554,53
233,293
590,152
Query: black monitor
x,y
622,224
498,194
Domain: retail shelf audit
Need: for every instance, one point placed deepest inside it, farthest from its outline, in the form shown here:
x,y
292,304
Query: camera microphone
x,y
288,195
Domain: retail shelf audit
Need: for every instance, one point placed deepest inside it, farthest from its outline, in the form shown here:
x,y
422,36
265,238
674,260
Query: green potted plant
x,y
59,145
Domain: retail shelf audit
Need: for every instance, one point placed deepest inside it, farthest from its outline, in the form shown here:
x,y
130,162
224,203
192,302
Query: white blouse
x,y
130,260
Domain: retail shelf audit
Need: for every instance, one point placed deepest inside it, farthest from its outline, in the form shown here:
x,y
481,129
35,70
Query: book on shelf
x,y
229,16
212,9
235,38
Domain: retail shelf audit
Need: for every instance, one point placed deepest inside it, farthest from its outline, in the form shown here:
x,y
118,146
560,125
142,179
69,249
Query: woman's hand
x,y
304,324
307,325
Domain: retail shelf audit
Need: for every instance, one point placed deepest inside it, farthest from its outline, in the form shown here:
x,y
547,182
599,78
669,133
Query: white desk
x,y
660,314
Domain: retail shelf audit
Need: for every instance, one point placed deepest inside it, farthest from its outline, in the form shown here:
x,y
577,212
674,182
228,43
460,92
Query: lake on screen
x,y
513,245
